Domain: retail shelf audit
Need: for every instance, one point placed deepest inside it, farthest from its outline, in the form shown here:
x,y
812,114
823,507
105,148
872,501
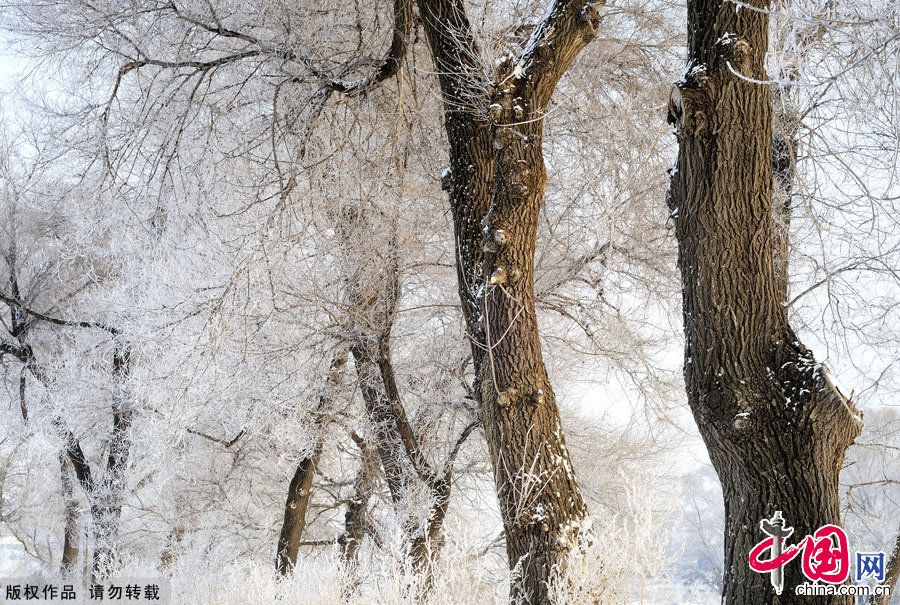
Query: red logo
x,y
826,553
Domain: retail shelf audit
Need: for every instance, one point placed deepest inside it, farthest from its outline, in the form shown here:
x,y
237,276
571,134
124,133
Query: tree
x,y
372,279
29,283
170,73
774,423
300,487
496,181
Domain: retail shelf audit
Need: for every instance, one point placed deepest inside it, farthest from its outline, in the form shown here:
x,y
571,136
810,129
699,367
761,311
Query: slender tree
x,y
105,494
300,487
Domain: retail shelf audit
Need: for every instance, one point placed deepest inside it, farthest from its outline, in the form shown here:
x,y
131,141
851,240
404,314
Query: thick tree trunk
x,y
774,424
496,182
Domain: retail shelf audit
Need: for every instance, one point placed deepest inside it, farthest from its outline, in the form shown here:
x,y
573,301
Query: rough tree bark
x,y
891,576
774,424
496,181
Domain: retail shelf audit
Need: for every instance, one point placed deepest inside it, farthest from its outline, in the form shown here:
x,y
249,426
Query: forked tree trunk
x,y
774,424
375,294
405,468
496,182
73,456
398,471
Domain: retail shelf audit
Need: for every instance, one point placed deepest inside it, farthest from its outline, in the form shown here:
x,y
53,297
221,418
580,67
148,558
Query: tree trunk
x,y
404,467
398,471
356,520
375,294
774,424
496,182
71,550
104,497
107,497
300,488
891,575
299,494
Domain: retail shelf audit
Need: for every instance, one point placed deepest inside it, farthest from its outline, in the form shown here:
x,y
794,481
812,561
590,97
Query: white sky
x,y
9,64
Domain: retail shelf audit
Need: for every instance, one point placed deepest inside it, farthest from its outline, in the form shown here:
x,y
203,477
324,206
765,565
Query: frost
x,y
726,39
693,72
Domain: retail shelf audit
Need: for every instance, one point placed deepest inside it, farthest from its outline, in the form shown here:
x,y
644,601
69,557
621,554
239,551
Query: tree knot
x,y
506,396
734,49
688,100
590,18
498,276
